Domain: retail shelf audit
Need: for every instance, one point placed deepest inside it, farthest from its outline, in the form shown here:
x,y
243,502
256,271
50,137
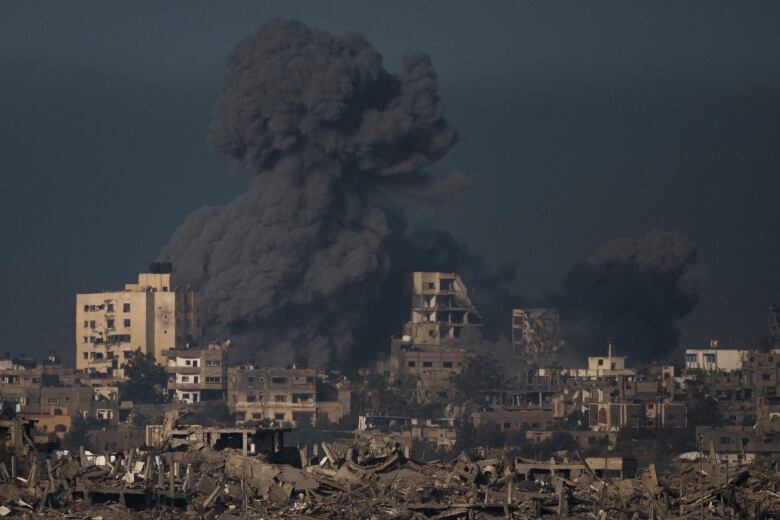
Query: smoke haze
x,y
632,292
336,142
306,266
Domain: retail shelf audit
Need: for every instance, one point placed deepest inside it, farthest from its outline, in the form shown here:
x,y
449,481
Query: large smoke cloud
x,y
291,268
633,292
307,265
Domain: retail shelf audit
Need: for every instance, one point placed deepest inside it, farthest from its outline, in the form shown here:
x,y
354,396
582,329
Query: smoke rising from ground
x,y
335,142
307,265
633,292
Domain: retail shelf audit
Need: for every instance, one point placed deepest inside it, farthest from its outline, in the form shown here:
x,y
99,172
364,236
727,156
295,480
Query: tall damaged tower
x,y
536,335
442,311
443,323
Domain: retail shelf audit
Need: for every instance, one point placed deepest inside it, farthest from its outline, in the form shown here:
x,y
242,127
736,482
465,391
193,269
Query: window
x,y
412,364
507,425
110,324
710,358
196,379
251,398
600,362
86,339
194,362
213,379
447,364
185,379
250,379
127,323
85,355
279,416
765,377
278,380
86,308
92,324
126,307
185,396
690,358
92,308
427,364
280,398
86,324
110,307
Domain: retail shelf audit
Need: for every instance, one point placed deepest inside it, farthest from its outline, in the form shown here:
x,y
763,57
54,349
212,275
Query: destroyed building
x,y
536,335
151,315
443,324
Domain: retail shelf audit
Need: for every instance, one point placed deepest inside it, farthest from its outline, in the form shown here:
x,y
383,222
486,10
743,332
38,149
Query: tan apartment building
x,y
151,315
281,394
441,310
197,374
536,335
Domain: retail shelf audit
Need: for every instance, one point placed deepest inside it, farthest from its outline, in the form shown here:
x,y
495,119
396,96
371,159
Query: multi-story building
x,y
51,396
536,334
151,315
283,395
443,323
442,312
714,359
197,374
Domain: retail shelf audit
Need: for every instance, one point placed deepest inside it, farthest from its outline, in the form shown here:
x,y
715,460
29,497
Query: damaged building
x,y
443,323
536,335
151,316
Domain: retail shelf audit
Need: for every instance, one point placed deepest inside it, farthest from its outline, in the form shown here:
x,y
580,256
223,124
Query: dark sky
x,y
579,122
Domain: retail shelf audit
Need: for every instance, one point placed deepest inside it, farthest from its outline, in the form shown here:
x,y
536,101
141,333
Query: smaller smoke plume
x,y
632,292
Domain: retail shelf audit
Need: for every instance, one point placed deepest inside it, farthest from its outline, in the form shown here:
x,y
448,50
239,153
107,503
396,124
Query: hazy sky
x,y
579,122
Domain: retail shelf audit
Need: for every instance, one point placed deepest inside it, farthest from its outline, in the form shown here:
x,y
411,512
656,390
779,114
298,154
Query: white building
x,y
714,359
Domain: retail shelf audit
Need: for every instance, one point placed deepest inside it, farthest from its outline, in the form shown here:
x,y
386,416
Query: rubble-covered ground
x,y
371,477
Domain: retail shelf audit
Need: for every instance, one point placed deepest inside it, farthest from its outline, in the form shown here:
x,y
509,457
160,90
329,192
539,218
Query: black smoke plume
x,y
298,268
632,292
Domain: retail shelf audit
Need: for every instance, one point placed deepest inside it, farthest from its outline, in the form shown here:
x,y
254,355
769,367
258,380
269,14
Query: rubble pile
x,y
372,477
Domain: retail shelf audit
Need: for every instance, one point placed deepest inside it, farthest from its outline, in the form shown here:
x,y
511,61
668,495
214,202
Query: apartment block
x,y
714,359
151,316
536,335
279,394
441,311
197,374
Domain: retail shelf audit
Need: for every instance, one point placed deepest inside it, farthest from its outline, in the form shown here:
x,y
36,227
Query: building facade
x,y
197,374
150,316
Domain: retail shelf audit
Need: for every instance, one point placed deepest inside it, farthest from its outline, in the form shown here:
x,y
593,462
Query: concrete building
x,y
151,315
197,374
441,310
536,335
515,419
280,394
440,433
609,366
615,416
714,359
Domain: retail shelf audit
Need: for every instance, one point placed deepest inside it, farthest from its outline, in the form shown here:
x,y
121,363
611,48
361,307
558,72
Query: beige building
x,y
283,395
536,334
442,311
151,315
197,374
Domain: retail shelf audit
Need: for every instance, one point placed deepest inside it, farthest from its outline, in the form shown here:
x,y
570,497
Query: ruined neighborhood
x,y
157,421
253,269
